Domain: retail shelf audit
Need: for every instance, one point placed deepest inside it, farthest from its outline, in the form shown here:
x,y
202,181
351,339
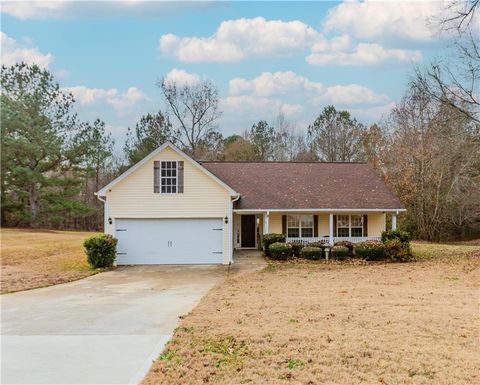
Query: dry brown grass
x,y
414,323
37,258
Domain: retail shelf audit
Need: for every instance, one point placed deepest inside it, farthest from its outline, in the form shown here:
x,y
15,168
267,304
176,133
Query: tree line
x,y
427,148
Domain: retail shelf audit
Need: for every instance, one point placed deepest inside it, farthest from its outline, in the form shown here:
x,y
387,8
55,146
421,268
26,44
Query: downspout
x,y
231,227
105,211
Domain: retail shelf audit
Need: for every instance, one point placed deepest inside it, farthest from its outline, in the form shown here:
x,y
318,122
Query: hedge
x,y
340,252
296,248
349,245
309,252
268,239
280,250
403,236
398,251
370,250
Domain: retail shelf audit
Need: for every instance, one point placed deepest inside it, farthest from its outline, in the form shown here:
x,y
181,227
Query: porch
x,y
309,226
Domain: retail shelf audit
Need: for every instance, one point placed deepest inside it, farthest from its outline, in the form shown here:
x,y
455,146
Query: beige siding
x,y
203,197
275,225
323,225
376,224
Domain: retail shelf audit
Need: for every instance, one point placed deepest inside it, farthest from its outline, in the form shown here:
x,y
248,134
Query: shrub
x,y
309,252
268,239
280,250
100,250
320,244
371,250
403,236
398,251
349,245
340,252
296,248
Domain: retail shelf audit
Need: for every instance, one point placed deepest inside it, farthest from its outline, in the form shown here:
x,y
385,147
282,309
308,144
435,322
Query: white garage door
x,y
169,241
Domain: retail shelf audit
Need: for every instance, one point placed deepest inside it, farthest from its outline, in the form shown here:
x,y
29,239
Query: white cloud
x,y
126,100
362,54
350,94
85,95
270,83
379,19
290,85
15,52
298,97
181,77
119,101
237,39
61,9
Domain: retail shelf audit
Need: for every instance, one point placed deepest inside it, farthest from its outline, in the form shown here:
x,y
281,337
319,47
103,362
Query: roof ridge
x,y
277,161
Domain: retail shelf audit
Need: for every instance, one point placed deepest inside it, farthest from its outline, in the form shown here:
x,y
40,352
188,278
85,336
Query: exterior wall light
x,y
226,220
110,221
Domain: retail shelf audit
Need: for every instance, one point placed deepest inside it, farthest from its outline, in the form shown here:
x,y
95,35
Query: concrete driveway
x,y
105,329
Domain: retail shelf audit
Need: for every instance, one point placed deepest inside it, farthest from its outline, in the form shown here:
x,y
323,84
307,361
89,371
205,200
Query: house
x,y
170,209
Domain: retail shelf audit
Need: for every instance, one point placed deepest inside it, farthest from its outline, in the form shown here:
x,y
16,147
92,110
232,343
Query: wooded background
x,y
427,148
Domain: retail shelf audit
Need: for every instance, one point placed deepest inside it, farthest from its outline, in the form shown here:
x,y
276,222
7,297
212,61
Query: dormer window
x,y
168,177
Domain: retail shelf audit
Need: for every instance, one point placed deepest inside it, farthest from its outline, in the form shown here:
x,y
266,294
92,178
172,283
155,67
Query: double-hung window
x,y
300,226
356,225
349,226
168,178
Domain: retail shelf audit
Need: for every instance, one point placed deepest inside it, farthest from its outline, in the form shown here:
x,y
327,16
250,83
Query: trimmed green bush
x,y
398,251
340,252
370,250
309,252
403,236
280,250
319,244
268,239
349,245
296,248
100,250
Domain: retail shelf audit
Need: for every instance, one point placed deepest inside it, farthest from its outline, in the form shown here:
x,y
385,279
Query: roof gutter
x,y
320,210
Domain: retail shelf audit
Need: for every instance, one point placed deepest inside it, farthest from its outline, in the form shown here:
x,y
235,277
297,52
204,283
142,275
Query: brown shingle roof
x,y
305,185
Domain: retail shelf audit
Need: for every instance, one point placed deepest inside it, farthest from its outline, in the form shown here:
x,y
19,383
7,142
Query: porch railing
x,y
306,240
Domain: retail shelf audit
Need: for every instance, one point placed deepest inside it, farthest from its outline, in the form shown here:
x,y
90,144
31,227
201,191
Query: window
x,y
168,177
300,226
293,226
349,226
356,226
343,226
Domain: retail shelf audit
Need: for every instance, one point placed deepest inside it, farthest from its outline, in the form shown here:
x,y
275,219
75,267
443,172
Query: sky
x,y
264,57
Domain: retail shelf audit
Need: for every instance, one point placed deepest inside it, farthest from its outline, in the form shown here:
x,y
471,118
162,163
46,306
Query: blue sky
x,y
265,57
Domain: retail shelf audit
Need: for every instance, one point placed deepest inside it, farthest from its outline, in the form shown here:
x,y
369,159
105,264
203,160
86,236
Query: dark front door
x,y
248,231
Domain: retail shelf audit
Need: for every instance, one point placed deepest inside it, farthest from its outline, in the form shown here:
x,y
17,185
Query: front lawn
x,y
37,258
413,323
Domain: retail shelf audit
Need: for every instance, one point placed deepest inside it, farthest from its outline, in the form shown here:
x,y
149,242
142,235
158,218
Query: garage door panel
x,y
169,241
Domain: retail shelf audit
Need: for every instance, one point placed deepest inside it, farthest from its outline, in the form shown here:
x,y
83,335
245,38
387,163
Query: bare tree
x,y
454,79
459,15
433,163
192,111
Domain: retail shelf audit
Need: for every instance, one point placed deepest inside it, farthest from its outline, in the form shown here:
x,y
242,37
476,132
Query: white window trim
x,y
300,225
350,224
176,178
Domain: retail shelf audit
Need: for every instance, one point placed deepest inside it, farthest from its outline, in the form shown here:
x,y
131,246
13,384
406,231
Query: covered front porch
x,y
307,226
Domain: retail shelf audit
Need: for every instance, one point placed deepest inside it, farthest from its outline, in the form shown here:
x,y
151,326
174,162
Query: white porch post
x,y
266,222
330,227
394,221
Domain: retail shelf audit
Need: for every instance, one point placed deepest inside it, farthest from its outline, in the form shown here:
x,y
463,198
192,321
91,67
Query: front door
x,y
248,230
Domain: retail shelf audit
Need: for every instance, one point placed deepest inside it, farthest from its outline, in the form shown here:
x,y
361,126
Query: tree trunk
x,y
33,202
